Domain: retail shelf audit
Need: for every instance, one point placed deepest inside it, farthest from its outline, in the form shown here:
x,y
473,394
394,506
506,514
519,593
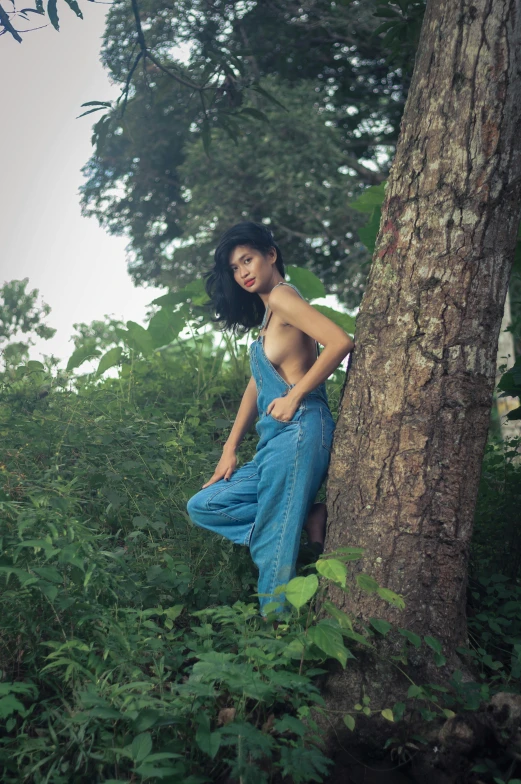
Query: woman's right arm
x,y
246,415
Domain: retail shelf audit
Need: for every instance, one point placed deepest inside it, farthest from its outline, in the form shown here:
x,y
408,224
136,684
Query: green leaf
x,y
141,746
381,626
372,197
207,741
414,691
330,641
165,326
343,620
433,643
81,355
343,320
367,583
290,724
256,113
306,281
49,573
53,14
349,721
141,339
387,714
413,638
358,637
300,590
33,365
108,360
332,570
256,86
73,5
9,705
391,597
206,135
369,232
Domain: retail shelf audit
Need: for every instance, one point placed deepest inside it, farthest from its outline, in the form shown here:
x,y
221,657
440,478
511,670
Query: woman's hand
x,y
225,467
283,408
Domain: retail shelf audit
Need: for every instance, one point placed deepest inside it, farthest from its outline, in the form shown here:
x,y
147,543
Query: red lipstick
x,y
249,282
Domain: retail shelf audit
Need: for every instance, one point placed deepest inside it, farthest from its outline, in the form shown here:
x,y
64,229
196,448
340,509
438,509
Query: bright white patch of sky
x,y
80,270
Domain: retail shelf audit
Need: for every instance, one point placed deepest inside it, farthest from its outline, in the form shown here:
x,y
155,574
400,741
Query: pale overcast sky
x,y
79,269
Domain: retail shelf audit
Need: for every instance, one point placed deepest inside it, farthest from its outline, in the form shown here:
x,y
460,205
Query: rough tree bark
x,y
415,412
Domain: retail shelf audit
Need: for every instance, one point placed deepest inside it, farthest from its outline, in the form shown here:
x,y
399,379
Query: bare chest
x,y
290,350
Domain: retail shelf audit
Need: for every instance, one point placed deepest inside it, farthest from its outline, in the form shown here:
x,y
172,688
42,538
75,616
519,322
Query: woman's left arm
x,y
294,310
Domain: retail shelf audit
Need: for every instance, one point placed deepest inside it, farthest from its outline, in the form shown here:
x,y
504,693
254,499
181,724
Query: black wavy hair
x,y
235,309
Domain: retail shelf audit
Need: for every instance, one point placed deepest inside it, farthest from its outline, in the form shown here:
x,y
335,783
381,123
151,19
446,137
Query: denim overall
x,y
265,503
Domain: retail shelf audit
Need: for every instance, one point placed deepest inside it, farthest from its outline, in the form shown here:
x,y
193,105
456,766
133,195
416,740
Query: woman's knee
x,y
195,507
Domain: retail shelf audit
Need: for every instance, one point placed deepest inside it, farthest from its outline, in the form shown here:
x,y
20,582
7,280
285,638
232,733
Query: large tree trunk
x,y
415,411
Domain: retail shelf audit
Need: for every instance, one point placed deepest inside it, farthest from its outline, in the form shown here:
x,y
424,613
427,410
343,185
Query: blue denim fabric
x,y
265,503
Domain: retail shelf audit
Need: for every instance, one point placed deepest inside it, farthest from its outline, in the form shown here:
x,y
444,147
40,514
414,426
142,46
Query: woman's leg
x,y
292,465
228,507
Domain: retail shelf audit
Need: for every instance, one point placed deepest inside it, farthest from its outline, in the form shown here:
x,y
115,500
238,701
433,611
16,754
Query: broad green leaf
x,y
414,691
34,365
391,597
141,339
300,590
53,14
9,705
367,583
349,553
387,714
306,281
49,573
330,641
141,746
165,326
343,620
193,291
413,638
290,724
439,659
207,741
433,643
108,360
333,570
81,355
369,232
372,197
381,626
349,722
343,320
358,637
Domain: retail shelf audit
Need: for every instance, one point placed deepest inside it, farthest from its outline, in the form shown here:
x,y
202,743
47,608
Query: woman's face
x,y
251,269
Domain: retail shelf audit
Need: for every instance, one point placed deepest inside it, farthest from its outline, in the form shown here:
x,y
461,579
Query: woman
x,y
265,503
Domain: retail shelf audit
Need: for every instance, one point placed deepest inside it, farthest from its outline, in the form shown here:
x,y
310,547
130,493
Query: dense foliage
x,y
131,648
307,115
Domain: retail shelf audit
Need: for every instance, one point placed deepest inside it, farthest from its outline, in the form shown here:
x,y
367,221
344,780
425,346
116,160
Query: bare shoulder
x,y
283,295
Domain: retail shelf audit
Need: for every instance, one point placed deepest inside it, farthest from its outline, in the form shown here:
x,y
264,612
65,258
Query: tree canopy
x,y
307,116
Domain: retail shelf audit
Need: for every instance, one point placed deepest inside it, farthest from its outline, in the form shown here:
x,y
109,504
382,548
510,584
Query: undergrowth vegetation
x,y
131,648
